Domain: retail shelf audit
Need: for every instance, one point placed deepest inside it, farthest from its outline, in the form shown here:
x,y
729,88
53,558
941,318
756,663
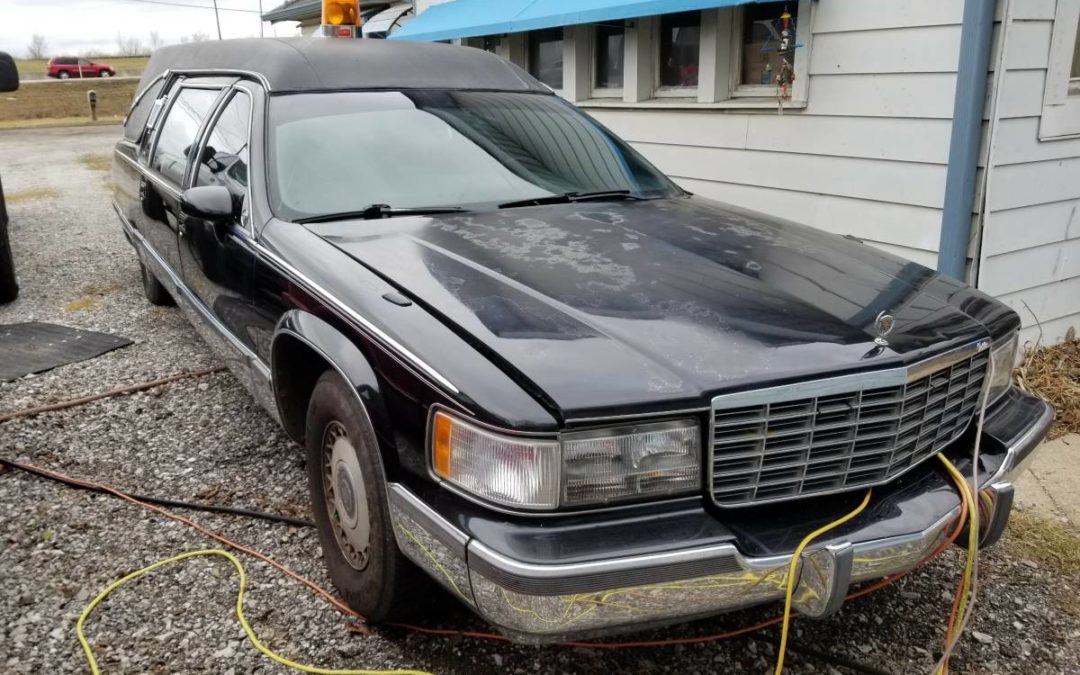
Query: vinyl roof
x,y
335,64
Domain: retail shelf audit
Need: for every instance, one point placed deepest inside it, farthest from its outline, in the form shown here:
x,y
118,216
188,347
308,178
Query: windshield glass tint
x,y
338,152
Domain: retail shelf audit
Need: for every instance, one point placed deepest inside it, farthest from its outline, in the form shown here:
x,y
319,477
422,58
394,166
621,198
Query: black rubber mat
x,y
36,347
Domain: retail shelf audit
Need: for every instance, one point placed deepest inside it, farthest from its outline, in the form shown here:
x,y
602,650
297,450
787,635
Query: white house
x,y
877,135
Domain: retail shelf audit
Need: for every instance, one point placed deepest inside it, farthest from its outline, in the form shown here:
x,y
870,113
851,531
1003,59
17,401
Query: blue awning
x,y
474,18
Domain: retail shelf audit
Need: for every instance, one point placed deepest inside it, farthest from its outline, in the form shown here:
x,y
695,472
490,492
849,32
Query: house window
x,y
546,56
680,49
767,43
1061,93
610,48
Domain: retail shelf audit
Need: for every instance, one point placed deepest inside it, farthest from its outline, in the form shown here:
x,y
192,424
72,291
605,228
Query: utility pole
x,y
217,18
261,22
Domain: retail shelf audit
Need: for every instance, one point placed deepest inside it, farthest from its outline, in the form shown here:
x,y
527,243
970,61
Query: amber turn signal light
x,y
340,12
440,441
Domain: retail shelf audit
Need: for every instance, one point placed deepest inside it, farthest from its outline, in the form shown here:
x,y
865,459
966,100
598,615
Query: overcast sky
x,y
75,26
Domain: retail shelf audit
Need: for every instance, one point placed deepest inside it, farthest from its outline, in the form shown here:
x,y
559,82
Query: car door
x,y
217,257
160,186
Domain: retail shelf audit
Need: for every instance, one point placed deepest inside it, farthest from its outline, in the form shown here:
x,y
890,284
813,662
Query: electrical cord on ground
x,y
966,583
345,609
121,391
161,501
258,644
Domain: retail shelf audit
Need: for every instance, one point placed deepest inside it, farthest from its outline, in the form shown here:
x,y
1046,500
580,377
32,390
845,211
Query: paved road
x,y
206,439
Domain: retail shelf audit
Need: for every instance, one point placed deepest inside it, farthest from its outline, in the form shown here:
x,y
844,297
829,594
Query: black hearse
x,y
522,360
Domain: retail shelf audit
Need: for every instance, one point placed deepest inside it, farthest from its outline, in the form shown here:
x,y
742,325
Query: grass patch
x,y
85,302
1045,541
64,100
30,195
1053,373
96,162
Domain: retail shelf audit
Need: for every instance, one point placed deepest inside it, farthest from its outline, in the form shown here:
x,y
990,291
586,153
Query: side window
x,y
224,160
177,137
137,116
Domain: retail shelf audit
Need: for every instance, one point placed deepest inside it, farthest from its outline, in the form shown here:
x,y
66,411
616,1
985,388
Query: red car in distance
x,y
64,67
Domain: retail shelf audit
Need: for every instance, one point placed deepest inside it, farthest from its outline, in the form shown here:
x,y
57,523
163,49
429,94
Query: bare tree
x,y
195,37
37,47
155,40
129,46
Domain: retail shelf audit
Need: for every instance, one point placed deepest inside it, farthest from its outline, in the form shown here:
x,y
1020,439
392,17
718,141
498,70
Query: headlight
x,y
1002,359
617,464
592,467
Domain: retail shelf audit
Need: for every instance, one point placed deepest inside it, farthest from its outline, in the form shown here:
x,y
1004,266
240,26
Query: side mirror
x,y
208,202
9,74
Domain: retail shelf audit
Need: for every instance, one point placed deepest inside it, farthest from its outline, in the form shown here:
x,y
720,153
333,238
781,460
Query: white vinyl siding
x,y
866,156
1030,256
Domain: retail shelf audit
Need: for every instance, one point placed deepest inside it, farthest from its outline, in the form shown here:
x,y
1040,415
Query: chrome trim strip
x,y
194,301
371,328
149,175
438,526
211,72
842,384
1009,466
614,566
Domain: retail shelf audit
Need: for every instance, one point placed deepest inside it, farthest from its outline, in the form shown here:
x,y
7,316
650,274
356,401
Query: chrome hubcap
x,y
346,499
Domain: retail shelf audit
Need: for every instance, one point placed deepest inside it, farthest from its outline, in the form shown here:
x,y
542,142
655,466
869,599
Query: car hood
x,y
604,308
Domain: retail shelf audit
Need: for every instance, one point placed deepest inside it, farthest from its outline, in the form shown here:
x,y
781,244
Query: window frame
x,y
664,91
562,46
800,65
228,95
1060,118
594,61
163,116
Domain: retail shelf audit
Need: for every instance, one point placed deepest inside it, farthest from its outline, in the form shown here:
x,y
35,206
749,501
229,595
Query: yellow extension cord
x,y
239,615
788,595
791,575
973,543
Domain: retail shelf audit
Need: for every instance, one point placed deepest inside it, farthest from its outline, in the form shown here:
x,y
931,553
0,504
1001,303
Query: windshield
x,y
345,151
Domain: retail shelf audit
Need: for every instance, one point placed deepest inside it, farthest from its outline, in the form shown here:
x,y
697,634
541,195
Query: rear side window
x,y
136,120
178,131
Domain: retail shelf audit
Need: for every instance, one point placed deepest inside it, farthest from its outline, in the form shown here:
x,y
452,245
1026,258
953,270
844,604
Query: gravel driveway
x,y
206,439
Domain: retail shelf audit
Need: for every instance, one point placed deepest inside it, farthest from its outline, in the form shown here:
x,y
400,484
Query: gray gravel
x,y
207,439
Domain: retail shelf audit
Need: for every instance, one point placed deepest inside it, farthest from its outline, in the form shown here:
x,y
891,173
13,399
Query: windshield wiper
x,y
569,197
376,211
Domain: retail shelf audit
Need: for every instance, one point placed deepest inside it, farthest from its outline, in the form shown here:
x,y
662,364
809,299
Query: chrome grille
x,y
854,431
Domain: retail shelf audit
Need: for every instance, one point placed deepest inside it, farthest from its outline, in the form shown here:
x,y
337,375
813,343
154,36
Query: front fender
x,y
294,379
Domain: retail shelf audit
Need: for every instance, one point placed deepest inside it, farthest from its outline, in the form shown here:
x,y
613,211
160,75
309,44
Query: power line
x,y
182,4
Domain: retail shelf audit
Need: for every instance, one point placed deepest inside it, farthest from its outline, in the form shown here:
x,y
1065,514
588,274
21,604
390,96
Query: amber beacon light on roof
x,y
340,18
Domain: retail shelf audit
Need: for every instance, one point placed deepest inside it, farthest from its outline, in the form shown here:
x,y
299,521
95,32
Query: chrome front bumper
x,y
552,602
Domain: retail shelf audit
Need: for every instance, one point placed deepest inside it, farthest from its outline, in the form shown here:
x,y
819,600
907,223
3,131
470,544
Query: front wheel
x,y
349,501
104,73
153,289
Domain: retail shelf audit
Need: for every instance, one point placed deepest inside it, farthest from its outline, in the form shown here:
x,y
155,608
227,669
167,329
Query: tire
x,y
105,73
152,288
377,581
9,287
63,75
